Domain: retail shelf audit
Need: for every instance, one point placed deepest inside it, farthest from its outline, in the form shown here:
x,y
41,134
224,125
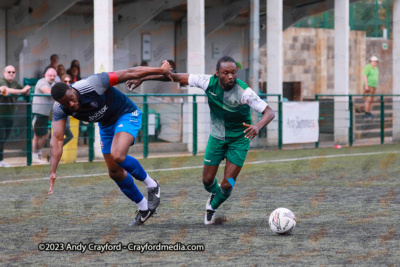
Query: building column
x,y
196,65
396,70
103,48
254,55
274,63
341,67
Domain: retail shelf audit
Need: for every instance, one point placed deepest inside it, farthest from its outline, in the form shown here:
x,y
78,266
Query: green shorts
x,y
234,150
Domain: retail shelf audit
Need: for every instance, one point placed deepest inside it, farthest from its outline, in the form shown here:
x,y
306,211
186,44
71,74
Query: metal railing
x,y
145,121
351,111
191,100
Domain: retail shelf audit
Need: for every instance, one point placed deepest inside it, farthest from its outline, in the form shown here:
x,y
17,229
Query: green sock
x,y
220,196
212,188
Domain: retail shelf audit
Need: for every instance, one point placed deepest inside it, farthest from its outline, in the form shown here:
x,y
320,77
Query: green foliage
x,y
371,16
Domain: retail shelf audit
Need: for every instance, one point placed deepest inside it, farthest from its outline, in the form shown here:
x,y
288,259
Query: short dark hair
x,y
53,56
58,90
224,59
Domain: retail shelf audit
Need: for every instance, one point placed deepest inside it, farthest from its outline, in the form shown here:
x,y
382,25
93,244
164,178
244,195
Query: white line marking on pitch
x,y
198,167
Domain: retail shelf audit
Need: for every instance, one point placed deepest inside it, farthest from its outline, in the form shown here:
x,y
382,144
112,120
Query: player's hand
x,y
133,84
167,69
251,131
52,180
367,88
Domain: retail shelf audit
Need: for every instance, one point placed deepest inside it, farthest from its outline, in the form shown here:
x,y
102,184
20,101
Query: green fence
x,y
152,105
380,99
149,104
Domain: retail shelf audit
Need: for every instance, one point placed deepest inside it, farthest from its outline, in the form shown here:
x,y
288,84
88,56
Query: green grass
x,y
347,210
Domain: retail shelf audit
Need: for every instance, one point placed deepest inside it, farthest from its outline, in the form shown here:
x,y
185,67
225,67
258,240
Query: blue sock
x,y
133,166
129,188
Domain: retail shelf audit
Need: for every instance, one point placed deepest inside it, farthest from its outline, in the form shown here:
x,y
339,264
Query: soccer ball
x,y
282,221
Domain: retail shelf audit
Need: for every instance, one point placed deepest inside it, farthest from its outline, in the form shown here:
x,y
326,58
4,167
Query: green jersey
x,y
372,75
228,108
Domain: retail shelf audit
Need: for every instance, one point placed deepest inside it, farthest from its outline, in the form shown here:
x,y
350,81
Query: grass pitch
x,y
346,203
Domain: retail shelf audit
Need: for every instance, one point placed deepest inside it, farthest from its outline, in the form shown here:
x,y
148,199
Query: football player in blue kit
x,y
94,99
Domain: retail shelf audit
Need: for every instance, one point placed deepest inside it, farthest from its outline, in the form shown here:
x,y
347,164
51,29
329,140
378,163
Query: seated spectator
x,y
41,108
75,73
9,88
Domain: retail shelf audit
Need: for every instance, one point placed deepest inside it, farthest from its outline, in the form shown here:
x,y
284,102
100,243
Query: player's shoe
x,y
153,198
142,216
209,217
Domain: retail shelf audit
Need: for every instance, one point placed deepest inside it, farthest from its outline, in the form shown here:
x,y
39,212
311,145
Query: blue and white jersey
x,y
98,101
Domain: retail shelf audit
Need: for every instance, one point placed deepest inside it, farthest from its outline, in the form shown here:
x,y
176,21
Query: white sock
x,y
35,155
143,204
149,182
40,151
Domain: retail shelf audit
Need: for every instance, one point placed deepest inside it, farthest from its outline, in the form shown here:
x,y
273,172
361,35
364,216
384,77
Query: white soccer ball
x,y
282,221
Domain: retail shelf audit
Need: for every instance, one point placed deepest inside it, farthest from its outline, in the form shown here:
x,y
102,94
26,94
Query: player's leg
x,y
235,157
125,133
119,155
119,151
116,140
214,154
225,190
122,178
210,182
125,182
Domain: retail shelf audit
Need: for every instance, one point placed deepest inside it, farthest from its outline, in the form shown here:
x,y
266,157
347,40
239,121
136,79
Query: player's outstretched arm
x,y
56,150
182,78
252,130
140,72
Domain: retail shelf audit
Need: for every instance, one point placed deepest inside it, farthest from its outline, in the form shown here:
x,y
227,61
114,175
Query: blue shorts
x,y
129,123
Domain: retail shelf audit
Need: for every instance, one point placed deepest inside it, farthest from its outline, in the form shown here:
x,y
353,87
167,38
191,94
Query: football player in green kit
x,y
230,100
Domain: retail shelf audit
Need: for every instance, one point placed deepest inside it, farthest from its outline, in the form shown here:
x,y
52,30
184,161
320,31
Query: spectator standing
x,y
41,108
9,88
54,65
370,82
75,73
61,71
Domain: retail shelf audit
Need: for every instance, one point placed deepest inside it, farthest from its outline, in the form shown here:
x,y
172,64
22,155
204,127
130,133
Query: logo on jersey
x,y
94,104
98,114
